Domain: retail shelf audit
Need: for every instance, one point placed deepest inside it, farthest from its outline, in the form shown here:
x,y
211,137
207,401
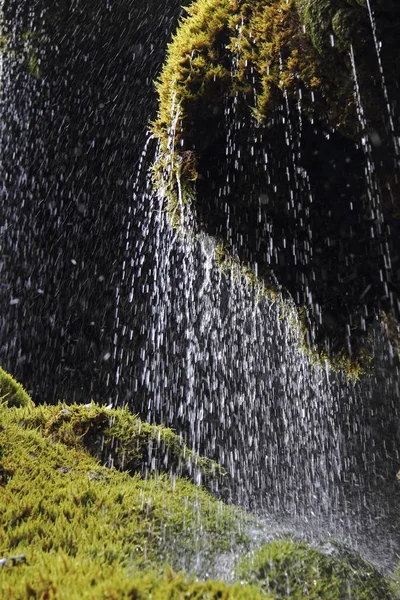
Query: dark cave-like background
x,y
77,95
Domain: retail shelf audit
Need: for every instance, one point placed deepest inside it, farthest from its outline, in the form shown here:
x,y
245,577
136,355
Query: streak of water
x,y
301,445
373,206
388,106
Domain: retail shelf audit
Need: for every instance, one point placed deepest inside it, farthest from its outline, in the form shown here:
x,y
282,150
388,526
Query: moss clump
x,y
254,48
258,48
122,439
270,117
293,569
11,392
89,531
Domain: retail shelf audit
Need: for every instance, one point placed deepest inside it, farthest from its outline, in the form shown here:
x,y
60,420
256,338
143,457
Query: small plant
x,y
11,392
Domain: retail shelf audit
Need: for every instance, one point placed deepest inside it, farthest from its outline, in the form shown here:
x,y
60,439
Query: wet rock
x,y
64,470
300,151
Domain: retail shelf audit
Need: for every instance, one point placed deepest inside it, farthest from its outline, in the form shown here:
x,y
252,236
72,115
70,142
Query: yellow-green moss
x,y
73,529
223,47
193,65
11,392
83,531
61,578
85,528
293,569
131,443
196,68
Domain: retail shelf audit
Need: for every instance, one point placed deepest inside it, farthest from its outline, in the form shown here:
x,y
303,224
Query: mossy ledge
x,y
270,117
73,529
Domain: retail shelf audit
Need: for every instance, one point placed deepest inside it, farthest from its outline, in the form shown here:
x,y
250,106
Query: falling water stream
x,y
302,445
195,348
305,448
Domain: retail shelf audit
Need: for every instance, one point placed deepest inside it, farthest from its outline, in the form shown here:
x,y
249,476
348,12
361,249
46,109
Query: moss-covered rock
x,y
72,528
118,438
275,129
287,568
87,530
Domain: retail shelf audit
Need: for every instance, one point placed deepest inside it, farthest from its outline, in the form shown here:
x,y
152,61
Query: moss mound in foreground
x,y
71,528
88,531
122,440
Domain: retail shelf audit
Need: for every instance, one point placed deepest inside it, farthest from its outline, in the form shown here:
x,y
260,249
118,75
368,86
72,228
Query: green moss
x,y
258,49
132,445
11,392
293,569
196,68
62,579
195,63
87,530
262,61
73,529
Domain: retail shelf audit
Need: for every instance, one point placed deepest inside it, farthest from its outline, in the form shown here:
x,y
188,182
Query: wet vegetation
x,y
286,568
12,393
275,129
122,438
86,530
72,528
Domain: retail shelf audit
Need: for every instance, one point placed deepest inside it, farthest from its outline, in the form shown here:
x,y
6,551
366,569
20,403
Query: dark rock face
x,y
313,230
76,99
307,193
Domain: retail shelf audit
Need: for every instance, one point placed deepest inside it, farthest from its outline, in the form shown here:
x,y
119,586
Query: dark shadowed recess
x,y
307,220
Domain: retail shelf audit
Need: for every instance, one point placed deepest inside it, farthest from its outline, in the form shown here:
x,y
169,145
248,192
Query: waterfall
x,y
167,332
303,446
